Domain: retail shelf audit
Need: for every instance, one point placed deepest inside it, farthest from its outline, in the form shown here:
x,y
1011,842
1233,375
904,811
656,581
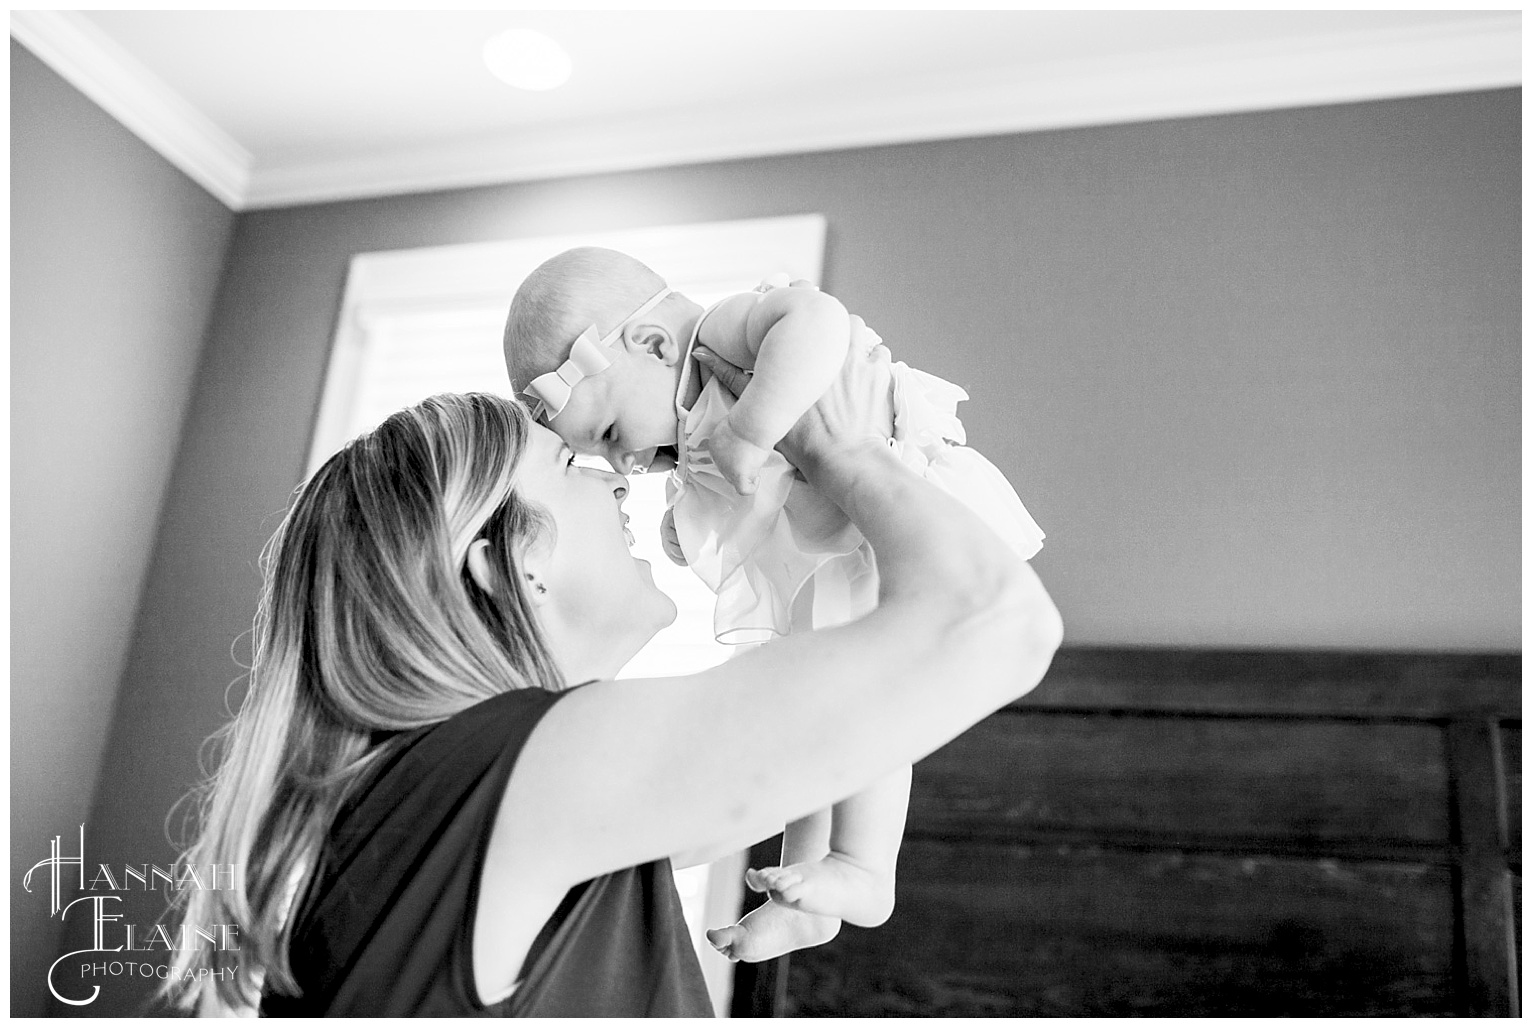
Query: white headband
x,y
549,393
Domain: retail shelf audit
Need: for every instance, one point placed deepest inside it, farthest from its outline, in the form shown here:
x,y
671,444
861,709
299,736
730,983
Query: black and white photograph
x,y
765,513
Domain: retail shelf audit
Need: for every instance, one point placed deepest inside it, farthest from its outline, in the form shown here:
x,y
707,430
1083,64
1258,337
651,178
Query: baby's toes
x,y
725,939
778,879
760,879
792,892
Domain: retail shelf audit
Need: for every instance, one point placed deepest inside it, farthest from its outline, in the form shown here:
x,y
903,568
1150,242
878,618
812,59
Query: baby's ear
x,y
653,339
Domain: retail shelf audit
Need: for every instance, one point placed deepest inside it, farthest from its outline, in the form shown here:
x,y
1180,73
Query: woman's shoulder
x,y
392,898
434,788
477,723
510,709
435,763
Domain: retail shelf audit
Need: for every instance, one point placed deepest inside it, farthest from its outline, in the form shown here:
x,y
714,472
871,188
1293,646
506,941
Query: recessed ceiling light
x,y
527,60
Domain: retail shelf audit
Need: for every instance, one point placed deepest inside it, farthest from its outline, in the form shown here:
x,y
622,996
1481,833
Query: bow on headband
x,y
549,393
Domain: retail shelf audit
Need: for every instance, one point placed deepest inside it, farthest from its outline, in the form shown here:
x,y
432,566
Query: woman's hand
x,y
859,406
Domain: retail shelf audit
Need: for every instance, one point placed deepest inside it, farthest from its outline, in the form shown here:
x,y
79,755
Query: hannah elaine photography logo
x,y
136,946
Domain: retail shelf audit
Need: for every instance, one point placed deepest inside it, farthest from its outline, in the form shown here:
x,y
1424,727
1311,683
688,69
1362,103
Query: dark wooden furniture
x,y
1196,832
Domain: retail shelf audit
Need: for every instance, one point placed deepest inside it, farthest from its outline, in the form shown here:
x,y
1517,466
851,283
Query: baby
x,y
602,349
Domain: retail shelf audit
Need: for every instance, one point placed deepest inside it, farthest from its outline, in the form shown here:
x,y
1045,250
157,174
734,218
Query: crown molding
x,y
1482,52
115,81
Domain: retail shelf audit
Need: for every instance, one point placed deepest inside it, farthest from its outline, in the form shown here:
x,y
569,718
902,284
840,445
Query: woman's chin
x,y
666,610
664,617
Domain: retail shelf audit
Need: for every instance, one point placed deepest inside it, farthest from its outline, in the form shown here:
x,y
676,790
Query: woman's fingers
x,y
863,339
857,405
734,379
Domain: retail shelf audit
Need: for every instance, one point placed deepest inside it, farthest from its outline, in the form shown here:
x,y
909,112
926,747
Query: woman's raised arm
x,y
624,772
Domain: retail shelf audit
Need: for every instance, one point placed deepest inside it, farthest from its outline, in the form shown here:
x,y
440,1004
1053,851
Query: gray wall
x,y
115,259
1256,375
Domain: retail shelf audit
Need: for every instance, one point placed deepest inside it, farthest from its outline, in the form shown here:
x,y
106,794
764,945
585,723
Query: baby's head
x,y
621,402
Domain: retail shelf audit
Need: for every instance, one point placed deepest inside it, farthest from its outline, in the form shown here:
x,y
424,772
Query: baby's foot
x,y
771,930
835,886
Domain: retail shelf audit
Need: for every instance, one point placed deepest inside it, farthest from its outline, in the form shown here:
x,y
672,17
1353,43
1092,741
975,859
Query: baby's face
x,y
624,413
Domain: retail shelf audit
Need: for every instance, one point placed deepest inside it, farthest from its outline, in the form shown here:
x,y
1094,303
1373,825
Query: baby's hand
x,y
737,458
669,540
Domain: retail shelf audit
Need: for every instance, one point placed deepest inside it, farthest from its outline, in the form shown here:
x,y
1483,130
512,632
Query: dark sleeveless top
x,y
386,927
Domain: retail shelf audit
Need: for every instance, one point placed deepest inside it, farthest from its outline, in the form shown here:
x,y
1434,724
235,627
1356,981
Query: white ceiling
x,y
274,108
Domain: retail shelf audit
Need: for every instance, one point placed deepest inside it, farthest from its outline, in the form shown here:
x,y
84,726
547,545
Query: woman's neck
x,y
586,656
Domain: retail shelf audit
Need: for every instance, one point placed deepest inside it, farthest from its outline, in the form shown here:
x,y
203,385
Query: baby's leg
x,y
773,929
855,880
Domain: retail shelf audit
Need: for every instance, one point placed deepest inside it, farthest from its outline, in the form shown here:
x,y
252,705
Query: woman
x,y
430,820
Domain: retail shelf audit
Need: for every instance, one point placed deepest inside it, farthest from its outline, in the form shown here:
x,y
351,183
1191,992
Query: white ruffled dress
x,y
758,552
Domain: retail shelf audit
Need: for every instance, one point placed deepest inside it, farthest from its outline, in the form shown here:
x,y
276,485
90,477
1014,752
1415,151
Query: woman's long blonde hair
x,y
368,623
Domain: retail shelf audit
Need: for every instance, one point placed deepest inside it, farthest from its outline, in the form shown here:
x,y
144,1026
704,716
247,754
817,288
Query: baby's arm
x,y
796,339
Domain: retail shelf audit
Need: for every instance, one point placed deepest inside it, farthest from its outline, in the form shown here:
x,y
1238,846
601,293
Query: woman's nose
x,y
618,481
622,463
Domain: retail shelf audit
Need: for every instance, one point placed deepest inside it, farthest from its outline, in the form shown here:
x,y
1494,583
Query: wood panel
x,y
1043,931
1301,783
1282,682
1200,833
1516,939
1510,750
1487,953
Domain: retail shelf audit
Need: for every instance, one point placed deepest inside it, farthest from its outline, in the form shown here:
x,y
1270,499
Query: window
x,y
418,322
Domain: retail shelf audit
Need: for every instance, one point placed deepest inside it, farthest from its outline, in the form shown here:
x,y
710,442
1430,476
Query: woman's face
x,y
599,595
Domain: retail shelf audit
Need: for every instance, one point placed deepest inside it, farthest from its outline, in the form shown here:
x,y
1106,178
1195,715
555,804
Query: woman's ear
x,y
654,339
478,565
484,575
537,592
534,565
